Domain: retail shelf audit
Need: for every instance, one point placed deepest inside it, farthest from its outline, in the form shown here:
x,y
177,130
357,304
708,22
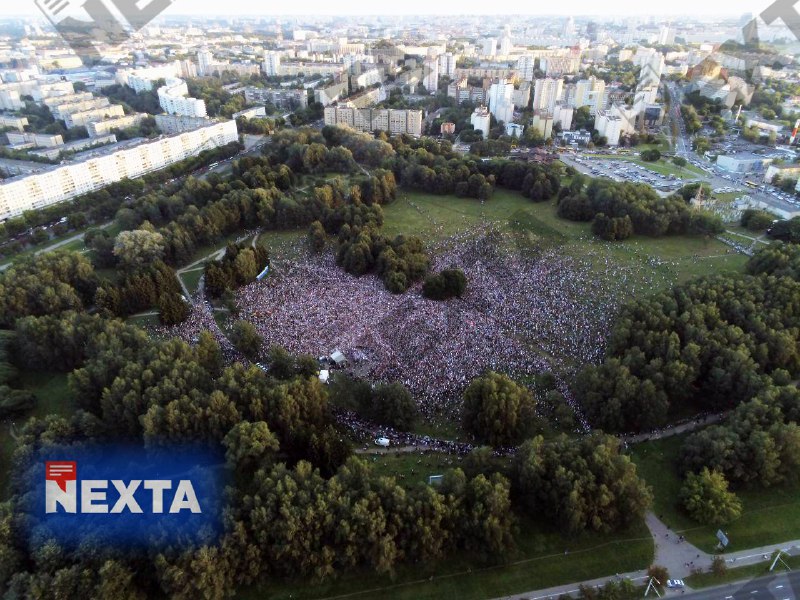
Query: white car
x,y
382,441
675,583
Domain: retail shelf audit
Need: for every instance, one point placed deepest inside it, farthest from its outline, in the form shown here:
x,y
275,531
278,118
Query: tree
x,y
393,405
250,446
449,283
581,484
651,155
497,410
209,354
705,497
659,573
316,236
246,339
679,161
172,309
138,248
756,220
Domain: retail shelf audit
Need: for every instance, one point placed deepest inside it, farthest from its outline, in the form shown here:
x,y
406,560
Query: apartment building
x,y
280,97
61,111
172,124
107,166
95,114
546,93
174,100
17,123
371,119
104,127
35,140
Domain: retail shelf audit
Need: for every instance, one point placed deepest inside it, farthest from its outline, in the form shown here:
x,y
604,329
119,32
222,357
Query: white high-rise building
x,y
272,63
569,29
447,65
666,36
525,66
563,114
204,60
63,182
609,124
501,101
590,92
481,120
489,47
431,75
546,93
173,100
506,45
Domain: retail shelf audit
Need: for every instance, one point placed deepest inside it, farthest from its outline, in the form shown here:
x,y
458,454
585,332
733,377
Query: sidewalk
x,y
679,557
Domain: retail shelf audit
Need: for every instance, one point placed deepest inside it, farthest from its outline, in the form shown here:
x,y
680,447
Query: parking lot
x,y
623,170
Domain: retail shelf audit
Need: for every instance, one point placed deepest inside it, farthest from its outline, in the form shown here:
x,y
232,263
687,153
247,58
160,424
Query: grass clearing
x,y
769,516
53,397
191,279
144,320
646,264
544,558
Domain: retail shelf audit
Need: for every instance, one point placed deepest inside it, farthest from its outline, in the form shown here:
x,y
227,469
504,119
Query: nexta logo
x,y
96,495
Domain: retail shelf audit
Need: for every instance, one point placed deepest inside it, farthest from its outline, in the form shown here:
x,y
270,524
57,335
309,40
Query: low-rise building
x,y
95,114
35,140
744,163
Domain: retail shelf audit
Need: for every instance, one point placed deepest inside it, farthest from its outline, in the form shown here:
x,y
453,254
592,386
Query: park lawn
x,y
191,279
544,559
769,516
409,468
52,397
144,320
703,580
650,264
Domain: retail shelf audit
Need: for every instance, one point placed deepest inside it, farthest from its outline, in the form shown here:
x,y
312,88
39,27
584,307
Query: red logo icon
x,y
61,471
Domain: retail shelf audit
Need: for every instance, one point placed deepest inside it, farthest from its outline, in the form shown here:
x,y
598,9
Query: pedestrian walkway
x,y
671,551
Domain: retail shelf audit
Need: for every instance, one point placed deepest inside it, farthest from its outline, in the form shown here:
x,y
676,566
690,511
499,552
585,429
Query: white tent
x,y
324,374
338,358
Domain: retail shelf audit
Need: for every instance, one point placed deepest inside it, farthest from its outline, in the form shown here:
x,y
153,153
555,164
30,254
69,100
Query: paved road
x,y
781,586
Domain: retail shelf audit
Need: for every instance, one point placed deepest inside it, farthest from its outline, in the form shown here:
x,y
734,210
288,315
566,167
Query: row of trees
x,y
240,265
706,345
297,505
648,213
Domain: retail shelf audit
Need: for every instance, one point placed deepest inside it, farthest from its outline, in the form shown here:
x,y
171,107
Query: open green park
x,y
544,556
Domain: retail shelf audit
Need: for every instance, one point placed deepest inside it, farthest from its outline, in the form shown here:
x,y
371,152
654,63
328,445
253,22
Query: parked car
x,y
675,583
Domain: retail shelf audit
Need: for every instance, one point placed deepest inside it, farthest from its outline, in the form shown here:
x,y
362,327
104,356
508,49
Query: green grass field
x,y
52,397
191,279
542,560
769,516
648,264
144,320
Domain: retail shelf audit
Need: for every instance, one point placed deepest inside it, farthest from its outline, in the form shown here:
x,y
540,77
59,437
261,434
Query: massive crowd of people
x,y
518,315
